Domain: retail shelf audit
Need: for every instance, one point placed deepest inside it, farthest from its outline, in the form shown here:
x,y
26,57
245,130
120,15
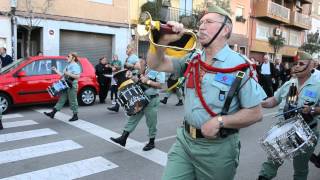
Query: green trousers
x,y
202,159
177,91
150,112
300,164
71,95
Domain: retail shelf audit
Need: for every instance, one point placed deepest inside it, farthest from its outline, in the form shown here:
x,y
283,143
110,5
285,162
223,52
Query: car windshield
x,y
11,66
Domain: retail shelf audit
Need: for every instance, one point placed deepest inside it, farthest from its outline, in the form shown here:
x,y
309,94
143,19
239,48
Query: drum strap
x,y
224,132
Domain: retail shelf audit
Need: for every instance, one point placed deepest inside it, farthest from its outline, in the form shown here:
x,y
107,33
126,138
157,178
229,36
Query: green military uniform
x,y
151,110
310,92
71,93
211,159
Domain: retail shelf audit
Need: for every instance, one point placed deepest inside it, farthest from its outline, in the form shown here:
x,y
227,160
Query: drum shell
x,y
132,99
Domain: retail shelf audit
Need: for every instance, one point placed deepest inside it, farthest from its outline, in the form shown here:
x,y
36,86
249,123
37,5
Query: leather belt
x,y
196,133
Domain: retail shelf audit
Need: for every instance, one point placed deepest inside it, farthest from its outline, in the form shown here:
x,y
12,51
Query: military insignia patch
x,y
224,78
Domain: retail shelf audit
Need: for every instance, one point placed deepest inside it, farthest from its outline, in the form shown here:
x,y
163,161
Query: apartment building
x,y
288,18
93,28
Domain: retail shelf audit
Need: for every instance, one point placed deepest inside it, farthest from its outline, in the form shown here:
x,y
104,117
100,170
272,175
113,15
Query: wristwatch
x,y
312,111
221,123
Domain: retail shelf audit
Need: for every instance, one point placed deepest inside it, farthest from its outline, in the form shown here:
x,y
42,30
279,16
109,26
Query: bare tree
x,y
33,19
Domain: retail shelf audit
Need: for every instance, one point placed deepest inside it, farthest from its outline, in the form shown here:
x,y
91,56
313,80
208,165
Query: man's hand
x,y
168,38
211,128
144,79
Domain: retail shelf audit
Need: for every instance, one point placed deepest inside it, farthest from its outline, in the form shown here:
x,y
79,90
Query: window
x,y
239,11
294,39
38,68
102,1
3,42
263,32
61,65
285,36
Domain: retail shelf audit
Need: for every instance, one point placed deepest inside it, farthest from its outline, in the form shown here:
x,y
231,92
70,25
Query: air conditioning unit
x,y
277,31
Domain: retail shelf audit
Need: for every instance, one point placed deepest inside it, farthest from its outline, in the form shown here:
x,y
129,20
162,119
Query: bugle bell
x,y
155,29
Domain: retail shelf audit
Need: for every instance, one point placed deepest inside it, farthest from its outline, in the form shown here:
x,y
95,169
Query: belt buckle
x,y
193,132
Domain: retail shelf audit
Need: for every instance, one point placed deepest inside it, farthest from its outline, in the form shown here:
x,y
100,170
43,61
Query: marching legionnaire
x,y
71,74
221,96
152,81
172,80
130,62
307,90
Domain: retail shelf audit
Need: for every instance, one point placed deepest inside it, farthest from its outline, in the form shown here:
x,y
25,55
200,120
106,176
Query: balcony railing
x,y
307,1
278,10
267,8
301,20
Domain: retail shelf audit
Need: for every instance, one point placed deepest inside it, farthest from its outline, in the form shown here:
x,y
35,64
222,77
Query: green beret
x,y
218,10
302,55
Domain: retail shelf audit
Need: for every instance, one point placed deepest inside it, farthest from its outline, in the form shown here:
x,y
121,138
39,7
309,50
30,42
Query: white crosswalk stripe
x,y
37,151
155,155
68,171
11,116
26,135
18,123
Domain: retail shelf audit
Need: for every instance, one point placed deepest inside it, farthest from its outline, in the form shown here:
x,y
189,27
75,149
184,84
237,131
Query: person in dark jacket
x,y
103,69
5,58
278,74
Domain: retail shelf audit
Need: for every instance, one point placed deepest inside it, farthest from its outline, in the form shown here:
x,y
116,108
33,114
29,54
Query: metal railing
x,y
302,19
175,14
278,10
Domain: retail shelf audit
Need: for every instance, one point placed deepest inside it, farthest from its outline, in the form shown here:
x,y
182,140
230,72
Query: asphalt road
x,y
33,146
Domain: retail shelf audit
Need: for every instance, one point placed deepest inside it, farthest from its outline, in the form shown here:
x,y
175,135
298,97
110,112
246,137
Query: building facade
x,y
287,18
315,14
92,28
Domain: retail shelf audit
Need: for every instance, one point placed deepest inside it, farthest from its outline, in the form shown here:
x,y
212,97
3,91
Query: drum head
x,y
277,131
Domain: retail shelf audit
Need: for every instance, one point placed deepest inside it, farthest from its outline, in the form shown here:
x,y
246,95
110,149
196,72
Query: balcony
x,y
300,21
306,1
272,11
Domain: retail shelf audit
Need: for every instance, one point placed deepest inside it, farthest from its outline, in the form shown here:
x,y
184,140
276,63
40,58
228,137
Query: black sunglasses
x,y
299,63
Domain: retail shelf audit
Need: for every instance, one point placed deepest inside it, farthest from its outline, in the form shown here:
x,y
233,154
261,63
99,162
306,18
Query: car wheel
x,y
5,103
87,96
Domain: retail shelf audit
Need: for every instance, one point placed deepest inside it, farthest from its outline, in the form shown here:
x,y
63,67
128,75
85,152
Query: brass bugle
x,y
155,29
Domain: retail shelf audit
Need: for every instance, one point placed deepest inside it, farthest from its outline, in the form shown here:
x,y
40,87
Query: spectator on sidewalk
x,y
279,71
102,70
5,58
116,66
266,70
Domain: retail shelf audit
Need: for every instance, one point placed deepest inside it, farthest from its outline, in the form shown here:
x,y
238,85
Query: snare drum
x,y
287,139
131,97
57,88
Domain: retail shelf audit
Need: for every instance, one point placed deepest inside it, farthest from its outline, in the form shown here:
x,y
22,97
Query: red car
x,y
25,81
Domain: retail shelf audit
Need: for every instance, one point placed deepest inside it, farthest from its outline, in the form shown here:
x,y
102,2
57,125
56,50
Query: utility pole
x,y
13,5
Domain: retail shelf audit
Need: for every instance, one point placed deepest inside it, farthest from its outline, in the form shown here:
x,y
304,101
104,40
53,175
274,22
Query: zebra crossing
x,y
62,171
